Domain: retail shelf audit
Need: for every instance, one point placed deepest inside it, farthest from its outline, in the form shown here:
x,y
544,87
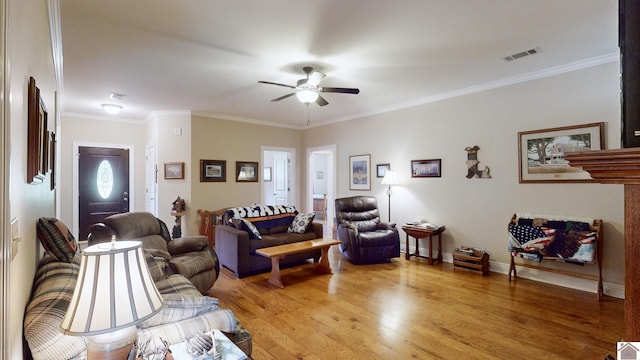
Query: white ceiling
x,y
208,55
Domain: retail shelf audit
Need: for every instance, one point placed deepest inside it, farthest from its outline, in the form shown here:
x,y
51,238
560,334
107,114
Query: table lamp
x,y
114,292
390,179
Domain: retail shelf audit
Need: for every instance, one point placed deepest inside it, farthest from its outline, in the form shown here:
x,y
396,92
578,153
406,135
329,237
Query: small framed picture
x,y
267,174
381,170
426,168
246,171
213,171
174,170
360,172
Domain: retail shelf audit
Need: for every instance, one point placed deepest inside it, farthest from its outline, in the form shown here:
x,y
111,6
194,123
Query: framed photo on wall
x,y
246,171
213,170
426,168
381,170
36,135
174,170
541,153
360,172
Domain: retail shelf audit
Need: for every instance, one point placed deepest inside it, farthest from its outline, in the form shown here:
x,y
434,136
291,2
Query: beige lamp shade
x,y
390,178
114,290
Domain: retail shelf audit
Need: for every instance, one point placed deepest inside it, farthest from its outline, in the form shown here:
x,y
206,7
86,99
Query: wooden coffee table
x,y
275,253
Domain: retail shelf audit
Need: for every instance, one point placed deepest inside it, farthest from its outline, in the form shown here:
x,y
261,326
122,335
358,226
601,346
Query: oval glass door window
x,y
104,179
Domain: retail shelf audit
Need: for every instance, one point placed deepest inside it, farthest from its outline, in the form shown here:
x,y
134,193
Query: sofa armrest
x,y
317,229
186,244
99,233
386,226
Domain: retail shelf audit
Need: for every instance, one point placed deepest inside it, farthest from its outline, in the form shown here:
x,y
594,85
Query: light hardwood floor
x,y
410,310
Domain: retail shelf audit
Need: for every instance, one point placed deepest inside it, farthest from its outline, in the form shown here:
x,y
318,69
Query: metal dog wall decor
x,y
472,164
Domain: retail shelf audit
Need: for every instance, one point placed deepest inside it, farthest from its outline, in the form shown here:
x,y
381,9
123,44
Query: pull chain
x,y
307,114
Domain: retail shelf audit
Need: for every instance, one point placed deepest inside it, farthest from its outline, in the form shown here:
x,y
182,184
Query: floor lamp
x,y
390,179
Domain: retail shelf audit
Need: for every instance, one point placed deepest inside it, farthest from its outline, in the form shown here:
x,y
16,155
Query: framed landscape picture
x,y
213,170
426,168
246,171
541,153
174,170
360,172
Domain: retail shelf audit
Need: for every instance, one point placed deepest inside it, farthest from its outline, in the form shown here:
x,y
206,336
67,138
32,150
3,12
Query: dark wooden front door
x,y
103,178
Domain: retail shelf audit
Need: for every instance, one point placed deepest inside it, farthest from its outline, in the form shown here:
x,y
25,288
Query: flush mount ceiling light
x,y
112,109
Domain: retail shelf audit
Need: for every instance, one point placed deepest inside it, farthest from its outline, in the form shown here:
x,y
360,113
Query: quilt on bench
x,y
564,239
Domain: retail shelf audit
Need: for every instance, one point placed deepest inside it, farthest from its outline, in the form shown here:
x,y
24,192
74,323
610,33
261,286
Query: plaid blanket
x,y
185,312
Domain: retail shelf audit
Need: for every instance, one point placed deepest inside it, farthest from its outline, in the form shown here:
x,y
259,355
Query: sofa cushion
x,y
189,264
246,225
56,238
301,223
181,301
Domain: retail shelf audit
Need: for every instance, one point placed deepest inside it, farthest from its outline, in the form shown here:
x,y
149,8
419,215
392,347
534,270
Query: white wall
x,y
29,55
98,132
173,146
476,211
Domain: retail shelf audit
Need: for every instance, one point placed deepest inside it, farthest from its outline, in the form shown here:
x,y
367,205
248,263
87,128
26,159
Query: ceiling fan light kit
x,y
307,90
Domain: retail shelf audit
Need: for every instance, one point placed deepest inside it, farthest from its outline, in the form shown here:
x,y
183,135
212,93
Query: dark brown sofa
x,y
236,249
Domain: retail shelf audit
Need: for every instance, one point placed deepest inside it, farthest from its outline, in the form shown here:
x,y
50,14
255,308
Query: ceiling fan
x,y
308,91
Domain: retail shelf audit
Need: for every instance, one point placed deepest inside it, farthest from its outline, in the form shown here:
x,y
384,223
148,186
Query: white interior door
x,y
281,178
151,183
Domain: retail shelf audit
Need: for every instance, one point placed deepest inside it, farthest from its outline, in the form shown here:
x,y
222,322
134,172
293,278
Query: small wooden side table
x,y
419,232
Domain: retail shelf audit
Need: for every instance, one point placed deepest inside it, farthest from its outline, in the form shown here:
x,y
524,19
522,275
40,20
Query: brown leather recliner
x,y
365,239
189,256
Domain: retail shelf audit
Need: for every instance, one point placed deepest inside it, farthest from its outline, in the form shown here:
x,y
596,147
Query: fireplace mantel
x,y
621,166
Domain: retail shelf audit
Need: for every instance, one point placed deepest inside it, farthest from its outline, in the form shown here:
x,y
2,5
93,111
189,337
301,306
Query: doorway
x,y
321,185
102,184
278,180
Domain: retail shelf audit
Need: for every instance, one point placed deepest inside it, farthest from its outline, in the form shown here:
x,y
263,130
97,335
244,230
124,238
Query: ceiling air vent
x,y
522,54
117,96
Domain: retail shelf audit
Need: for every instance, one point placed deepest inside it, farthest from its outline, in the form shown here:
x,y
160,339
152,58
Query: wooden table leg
x,y
323,265
430,262
440,248
407,255
275,272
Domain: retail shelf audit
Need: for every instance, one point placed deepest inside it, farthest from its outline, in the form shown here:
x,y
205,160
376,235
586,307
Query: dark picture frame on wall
x,y
381,170
36,135
541,153
246,171
213,170
426,168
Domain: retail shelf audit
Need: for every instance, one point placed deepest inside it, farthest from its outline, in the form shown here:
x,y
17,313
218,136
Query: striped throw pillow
x,y
57,239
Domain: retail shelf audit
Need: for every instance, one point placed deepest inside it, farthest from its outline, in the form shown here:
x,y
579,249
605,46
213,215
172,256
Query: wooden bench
x,y
595,226
208,222
275,253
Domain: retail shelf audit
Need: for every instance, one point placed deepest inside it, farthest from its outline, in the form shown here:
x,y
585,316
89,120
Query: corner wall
x,y
30,54
215,139
476,211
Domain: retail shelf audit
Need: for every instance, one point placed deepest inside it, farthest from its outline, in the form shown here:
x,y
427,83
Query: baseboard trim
x,y
610,289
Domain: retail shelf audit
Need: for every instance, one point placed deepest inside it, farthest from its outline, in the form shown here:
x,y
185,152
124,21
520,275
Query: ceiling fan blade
x,y
278,84
283,97
321,101
315,78
340,90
